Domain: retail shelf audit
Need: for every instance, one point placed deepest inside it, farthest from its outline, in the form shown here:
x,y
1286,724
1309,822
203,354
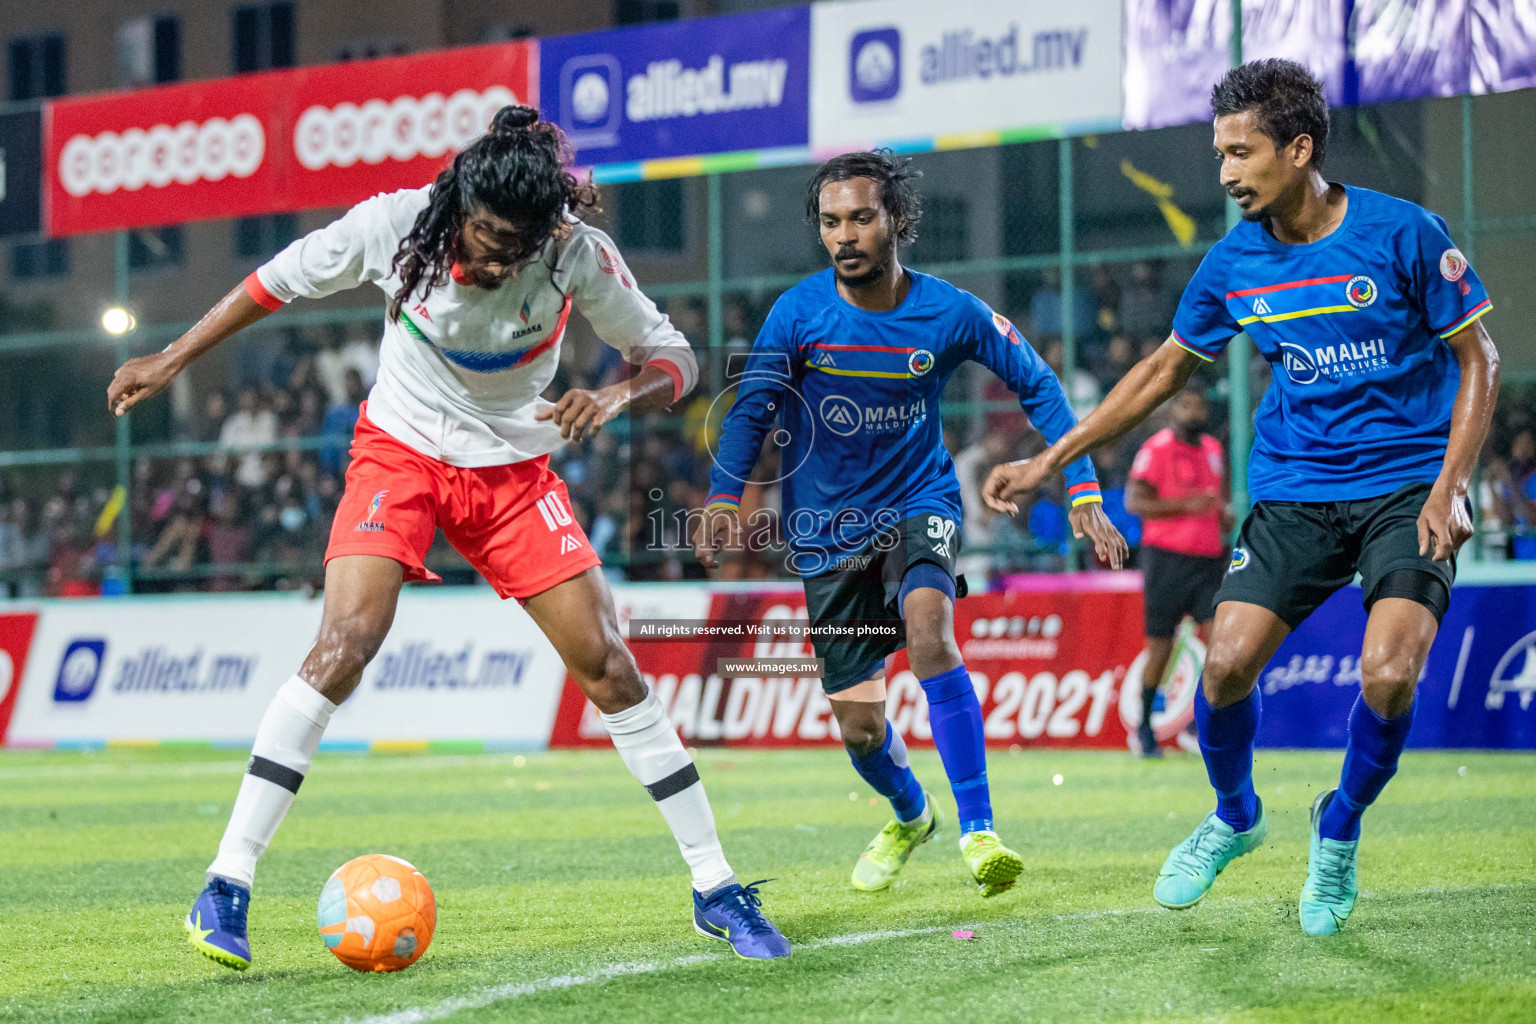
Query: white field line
x,y
518,989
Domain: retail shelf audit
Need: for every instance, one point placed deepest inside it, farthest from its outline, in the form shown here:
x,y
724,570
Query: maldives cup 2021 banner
x,y
278,141
1048,666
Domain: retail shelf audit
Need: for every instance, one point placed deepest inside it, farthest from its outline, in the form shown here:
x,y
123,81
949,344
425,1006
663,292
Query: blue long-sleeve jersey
x,y
856,395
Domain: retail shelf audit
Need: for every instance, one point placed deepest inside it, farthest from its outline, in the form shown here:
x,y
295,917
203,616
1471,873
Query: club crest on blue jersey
x,y
1361,291
1240,560
920,362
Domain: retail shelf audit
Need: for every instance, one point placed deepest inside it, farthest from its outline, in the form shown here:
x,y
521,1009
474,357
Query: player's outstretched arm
x,y
581,413
147,376
357,247
1145,386
600,283
1445,523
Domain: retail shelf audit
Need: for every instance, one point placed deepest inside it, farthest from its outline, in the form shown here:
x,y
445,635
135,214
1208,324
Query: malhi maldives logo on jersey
x,y
1305,365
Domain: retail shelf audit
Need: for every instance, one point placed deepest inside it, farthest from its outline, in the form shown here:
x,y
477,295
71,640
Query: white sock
x,y
285,743
650,748
978,832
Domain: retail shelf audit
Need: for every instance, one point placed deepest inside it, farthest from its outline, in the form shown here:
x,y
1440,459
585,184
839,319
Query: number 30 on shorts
x,y
554,511
941,531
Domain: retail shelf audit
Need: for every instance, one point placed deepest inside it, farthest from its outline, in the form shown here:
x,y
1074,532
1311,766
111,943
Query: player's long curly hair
x,y
518,171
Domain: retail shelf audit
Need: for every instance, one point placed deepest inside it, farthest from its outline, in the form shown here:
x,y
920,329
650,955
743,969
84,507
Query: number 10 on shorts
x,y
554,511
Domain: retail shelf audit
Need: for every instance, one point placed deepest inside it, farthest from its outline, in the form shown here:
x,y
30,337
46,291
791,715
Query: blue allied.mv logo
x,y
591,95
79,670
874,65
1239,560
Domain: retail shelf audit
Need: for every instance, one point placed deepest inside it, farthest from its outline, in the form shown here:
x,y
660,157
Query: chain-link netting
x,y
229,481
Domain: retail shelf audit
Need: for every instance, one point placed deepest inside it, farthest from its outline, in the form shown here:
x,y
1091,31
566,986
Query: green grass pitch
x,y
561,897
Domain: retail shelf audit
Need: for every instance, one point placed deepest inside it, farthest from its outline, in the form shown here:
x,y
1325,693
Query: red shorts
x,y
512,523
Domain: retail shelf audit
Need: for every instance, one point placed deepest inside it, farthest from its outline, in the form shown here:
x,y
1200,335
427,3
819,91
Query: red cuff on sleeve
x,y
670,369
258,291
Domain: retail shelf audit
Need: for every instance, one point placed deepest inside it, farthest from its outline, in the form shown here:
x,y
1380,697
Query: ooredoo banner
x,y
894,70
263,143
1048,666
680,89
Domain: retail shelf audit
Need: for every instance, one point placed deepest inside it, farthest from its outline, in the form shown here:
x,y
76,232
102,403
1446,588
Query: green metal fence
x,y
1008,270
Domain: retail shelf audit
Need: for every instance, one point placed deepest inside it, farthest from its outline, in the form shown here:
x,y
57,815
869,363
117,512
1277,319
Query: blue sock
x,y
1226,743
954,714
1370,760
888,774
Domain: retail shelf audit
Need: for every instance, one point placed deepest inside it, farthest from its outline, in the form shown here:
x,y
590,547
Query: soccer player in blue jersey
x,y
852,362
1384,384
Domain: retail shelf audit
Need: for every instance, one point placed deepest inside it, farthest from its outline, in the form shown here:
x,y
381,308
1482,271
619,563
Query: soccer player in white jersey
x,y
482,269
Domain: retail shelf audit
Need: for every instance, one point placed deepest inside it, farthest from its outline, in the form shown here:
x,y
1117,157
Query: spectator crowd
x,y
250,505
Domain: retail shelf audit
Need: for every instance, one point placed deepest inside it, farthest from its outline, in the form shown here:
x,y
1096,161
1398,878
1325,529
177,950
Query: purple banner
x,y
1367,51
681,89
1477,690
1409,50
1175,52
1503,40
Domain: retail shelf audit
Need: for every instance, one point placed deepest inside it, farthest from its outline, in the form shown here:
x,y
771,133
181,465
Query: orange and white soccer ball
x,y
377,913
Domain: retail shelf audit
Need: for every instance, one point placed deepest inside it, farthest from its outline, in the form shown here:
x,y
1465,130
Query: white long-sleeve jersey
x,y
461,371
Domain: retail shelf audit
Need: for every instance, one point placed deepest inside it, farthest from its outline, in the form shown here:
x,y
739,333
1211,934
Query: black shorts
x,y
1176,585
1292,555
863,587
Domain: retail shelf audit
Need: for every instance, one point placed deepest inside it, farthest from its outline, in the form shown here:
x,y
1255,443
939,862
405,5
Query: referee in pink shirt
x,y
1177,488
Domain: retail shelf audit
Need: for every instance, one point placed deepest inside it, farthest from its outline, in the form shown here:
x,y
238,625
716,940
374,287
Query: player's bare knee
x,y
1229,675
931,652
1387,680
862,727
610,678
344,647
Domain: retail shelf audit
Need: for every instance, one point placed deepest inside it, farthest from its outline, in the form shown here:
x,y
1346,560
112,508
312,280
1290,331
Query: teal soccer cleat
x,y
1332,880
1193,865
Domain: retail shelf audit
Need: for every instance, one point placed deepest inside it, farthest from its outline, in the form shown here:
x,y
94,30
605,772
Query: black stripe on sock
x,y
675,783
276,773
